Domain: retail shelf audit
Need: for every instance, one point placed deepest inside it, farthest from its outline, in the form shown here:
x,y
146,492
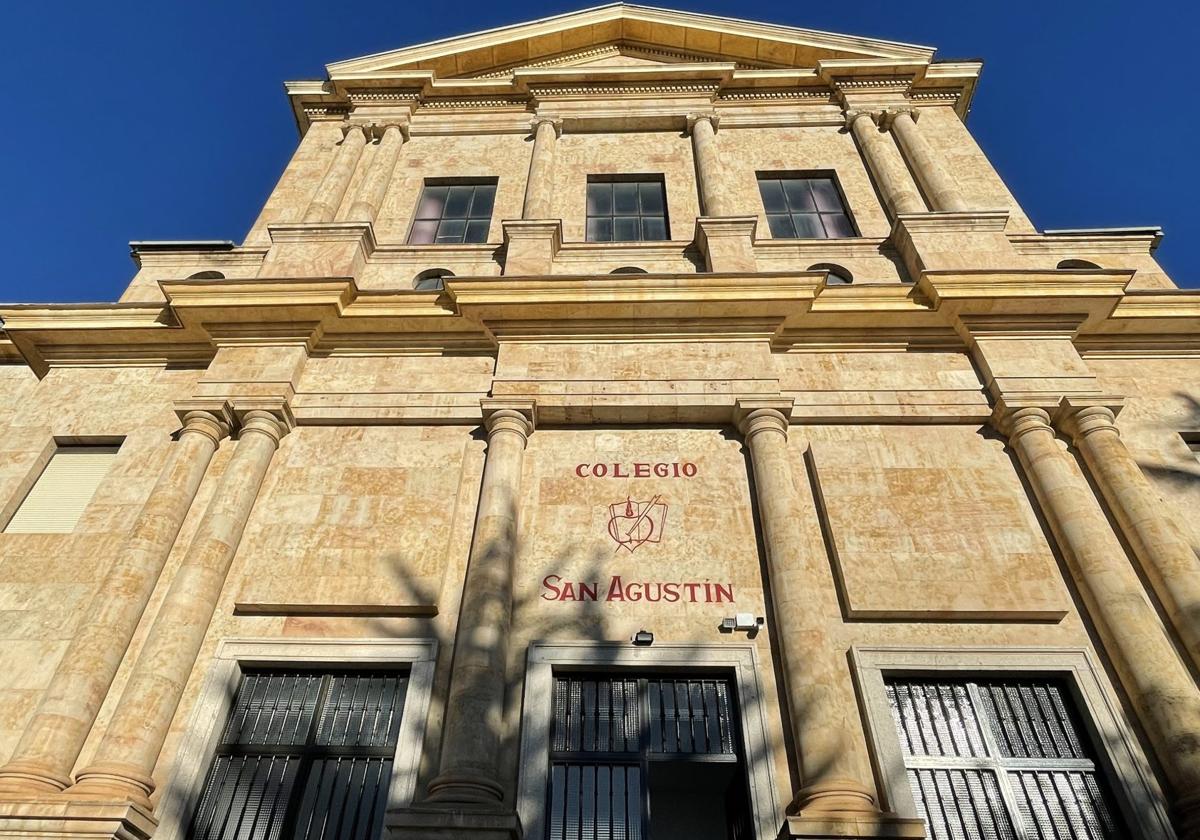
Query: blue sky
x,y
167,120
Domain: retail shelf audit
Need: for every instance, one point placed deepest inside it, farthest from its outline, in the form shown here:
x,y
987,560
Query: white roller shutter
x,y
63,490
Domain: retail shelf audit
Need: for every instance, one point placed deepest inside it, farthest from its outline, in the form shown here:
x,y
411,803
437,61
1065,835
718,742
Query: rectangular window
x,y
61,493
1000,758
804,207
626,209
453,214
656,756
305,754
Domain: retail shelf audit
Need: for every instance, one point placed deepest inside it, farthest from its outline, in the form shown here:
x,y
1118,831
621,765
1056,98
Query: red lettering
x,y
615,593
568,592
670,592
656,588
641,470
661,470
618,472
724,592
600,470
548,582
707,592
634,592
587,591
691,591
581,470
689,470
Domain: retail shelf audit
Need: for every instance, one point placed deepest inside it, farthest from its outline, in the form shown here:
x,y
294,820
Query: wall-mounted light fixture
x,y
748,622
642,638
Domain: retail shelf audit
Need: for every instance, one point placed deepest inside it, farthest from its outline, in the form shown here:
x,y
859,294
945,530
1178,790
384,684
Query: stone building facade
x,y
626,424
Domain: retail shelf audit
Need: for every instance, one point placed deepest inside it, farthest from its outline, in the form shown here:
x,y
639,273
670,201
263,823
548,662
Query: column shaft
x,y
332,189
374,186
708,164
818,682
51,742
135,735
1165,554
539,187
894,182
941,189
1157,681
469,770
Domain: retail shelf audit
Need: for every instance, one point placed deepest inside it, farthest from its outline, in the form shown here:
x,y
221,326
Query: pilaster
x,y
531,245
727,243
323,249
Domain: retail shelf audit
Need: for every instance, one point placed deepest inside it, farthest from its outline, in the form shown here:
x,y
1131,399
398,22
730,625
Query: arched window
x,y
838,276
207,275
432,279
628,269
1078,264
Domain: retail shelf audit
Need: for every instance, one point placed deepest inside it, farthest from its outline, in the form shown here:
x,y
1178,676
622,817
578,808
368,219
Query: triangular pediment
x,y
623,35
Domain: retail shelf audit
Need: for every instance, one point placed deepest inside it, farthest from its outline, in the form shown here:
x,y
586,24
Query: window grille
x,y
612,735
58,498
626,210
1000,759
304,755
804,208
451,214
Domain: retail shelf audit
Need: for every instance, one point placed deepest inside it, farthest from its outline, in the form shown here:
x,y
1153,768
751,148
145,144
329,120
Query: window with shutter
x,y
305,755
61,493
633,758
1000,759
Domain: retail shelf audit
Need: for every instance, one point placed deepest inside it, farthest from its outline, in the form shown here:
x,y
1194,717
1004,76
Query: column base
x,y
454,822
305,250
727,243
25,779
110,781
854,825
65,819
530,246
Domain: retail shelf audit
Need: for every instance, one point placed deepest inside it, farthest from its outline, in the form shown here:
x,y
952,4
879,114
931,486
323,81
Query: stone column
x,y
703,128
834,796
941,189
328,197
1155,678
127,754
469,770
539,186
50,745
1166,556
894,182
374,186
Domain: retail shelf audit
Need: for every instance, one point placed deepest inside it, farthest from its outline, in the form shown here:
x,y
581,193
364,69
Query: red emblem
x,y
633,524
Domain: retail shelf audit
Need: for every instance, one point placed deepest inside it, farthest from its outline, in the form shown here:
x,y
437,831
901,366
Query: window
x,y
626,209
432,279
809,207
451,214
304,754
650,756
1003,758
628,269
838,276
61,493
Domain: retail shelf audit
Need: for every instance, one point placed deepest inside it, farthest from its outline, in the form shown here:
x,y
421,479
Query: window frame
x,y
29,481
806,175
739,661
627,178
1119,758
185,785
455,181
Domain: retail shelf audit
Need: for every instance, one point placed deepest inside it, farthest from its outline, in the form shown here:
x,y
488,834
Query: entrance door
x,y
646,758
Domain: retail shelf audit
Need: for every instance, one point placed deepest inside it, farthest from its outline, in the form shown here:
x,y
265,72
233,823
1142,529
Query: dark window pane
x,y
654,228
422,233
781,227
652,199
808,226
626,229
772,196
827,194
432,202
837,226
477,230
599,199
451,230
599,230
458,202
625,200
481,206
799,197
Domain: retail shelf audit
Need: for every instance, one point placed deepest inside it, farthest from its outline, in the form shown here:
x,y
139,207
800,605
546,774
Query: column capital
x,y
713,119
375,131
1079,417
518,416
362,128
754,415
210,417
273,418
1016,418
549,119
888,115
852,114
